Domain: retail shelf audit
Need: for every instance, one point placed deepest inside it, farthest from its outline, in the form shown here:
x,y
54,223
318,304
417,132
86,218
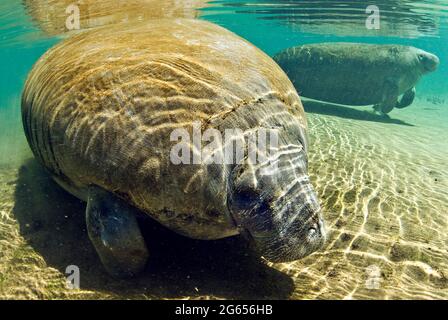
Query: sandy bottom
x,y
383,184
384,188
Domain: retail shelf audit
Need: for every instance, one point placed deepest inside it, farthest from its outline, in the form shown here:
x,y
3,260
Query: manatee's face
x,y
428,62
280,213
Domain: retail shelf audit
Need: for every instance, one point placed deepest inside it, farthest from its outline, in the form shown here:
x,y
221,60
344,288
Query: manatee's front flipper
x,y
113,229
383,109
390,97
406,99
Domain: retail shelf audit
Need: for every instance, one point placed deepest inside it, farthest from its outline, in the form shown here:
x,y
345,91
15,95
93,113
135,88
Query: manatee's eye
x,y
421,57
245,198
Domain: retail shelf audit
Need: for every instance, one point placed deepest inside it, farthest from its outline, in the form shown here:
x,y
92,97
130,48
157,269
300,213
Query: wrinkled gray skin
x,y
357,74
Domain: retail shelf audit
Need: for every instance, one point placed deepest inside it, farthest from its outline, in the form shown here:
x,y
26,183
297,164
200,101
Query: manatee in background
x,y
357,74
51,15
99,110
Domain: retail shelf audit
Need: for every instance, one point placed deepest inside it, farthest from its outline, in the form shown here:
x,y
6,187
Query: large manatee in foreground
x,y
357,73
100,109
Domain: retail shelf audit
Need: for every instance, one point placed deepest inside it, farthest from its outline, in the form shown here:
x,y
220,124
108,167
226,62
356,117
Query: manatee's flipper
x,y
385,107
407,99
382,109
390,97
113,229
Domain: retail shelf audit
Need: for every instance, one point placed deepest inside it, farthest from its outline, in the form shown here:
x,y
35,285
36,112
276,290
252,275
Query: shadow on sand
x,y
330,109
52,221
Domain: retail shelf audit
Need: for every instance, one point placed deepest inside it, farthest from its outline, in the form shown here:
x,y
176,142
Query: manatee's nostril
x,y
312,231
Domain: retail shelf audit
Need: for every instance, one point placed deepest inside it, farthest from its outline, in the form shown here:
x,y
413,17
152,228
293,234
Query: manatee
x,y
357,74
51,16
99,111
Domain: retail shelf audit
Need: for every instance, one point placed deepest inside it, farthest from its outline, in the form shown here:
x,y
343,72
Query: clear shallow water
x,y
383,183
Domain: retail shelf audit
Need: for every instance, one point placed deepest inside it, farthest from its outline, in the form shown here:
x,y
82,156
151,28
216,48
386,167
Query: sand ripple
x,y
384,189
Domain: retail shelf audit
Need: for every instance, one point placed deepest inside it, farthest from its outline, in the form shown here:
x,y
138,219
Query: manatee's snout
x,y
281,229
429,61
295,240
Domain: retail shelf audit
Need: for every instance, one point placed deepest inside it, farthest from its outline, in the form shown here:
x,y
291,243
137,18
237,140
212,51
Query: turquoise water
x,y
383,182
